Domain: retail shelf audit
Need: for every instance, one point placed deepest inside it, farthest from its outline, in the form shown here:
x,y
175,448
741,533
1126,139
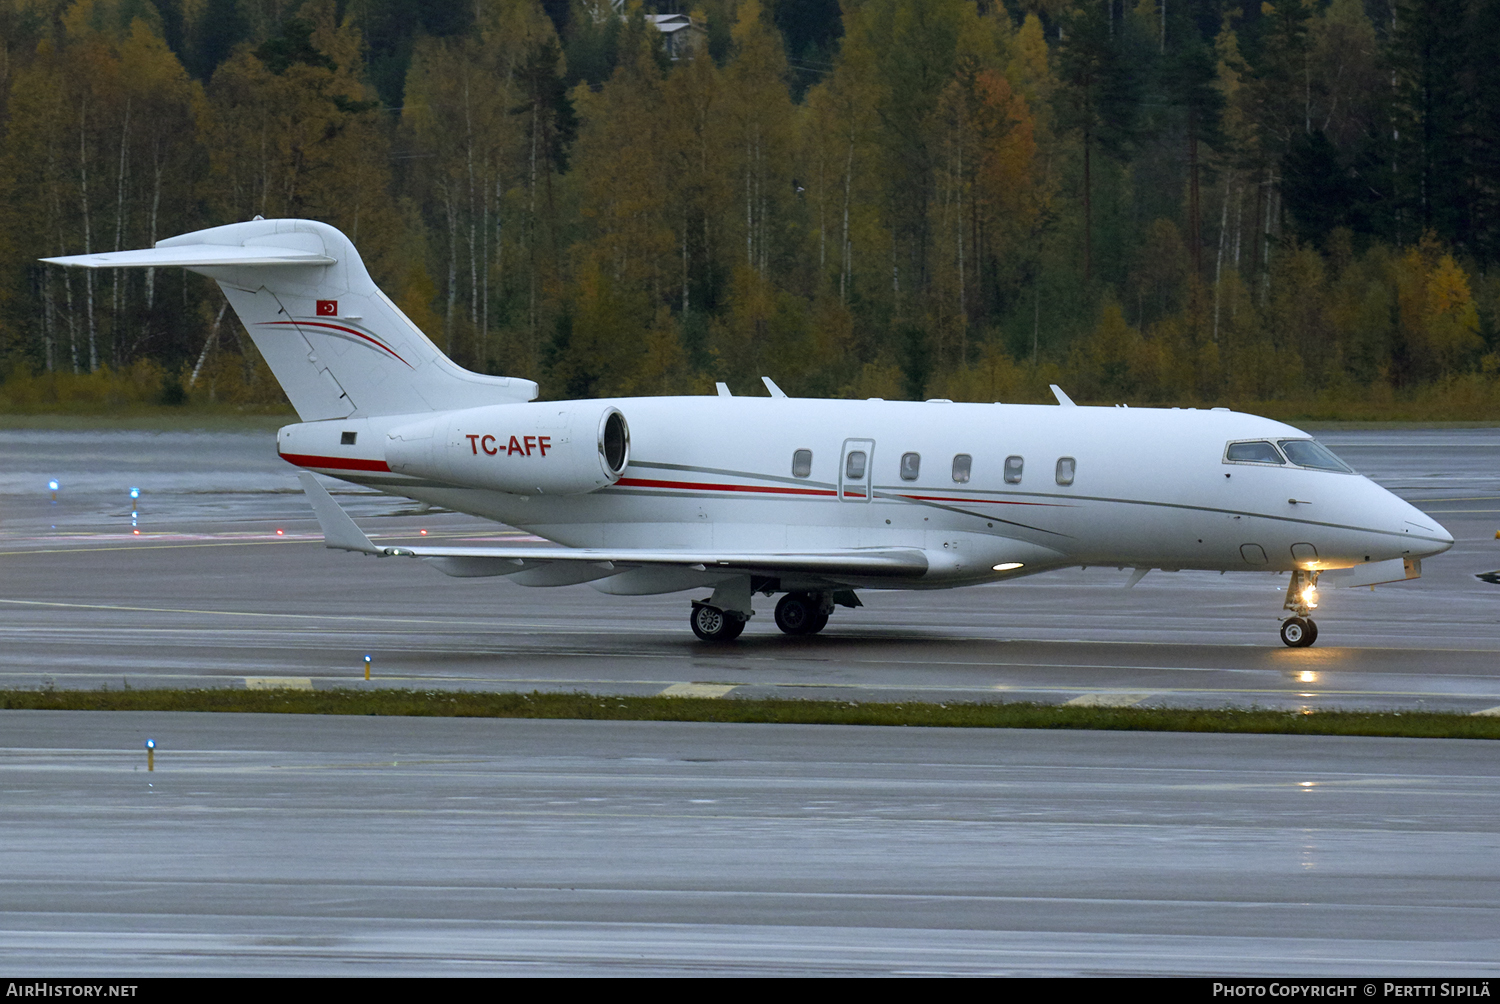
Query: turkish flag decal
x,y
328,308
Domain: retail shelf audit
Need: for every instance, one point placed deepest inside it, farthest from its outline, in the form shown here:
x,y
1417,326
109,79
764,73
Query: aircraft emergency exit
x,y
810,499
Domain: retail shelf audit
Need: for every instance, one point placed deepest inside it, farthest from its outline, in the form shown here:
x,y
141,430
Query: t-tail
x,y
337,344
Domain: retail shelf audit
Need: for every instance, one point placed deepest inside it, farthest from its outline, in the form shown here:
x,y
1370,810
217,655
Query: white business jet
x,y
812,499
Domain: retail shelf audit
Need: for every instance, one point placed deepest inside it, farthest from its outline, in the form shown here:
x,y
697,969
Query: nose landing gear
x,y
1299,630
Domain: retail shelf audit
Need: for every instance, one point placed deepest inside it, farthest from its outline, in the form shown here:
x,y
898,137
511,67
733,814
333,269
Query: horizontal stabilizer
x,y
194,255
339,530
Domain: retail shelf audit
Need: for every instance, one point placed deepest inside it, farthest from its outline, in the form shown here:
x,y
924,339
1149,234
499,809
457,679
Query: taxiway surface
x,y
227,582
292,845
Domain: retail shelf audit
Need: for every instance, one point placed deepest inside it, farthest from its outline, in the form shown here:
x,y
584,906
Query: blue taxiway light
x,y
151,744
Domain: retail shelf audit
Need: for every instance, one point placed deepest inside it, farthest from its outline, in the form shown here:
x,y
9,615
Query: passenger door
x,y
856,470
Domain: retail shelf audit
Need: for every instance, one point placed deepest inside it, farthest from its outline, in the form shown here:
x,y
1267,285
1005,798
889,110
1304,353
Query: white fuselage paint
x,y
1150,490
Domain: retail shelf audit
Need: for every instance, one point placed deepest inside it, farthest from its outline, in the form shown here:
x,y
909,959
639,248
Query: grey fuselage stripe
x,y
895,493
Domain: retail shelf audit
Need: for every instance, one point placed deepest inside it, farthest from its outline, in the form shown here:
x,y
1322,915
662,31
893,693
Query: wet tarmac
x,y
227,581
292,845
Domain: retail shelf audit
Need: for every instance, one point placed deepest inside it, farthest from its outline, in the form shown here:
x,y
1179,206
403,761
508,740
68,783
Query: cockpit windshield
x,y
1307,453
1257,452
1311,453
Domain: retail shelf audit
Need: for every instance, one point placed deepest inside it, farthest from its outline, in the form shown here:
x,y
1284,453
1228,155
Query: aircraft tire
x,y
818,624
797,613
1312,632
712,624
1298,633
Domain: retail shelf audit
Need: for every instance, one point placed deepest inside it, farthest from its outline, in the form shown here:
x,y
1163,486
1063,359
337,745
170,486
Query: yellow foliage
x,y
876,379
993,377
1439,319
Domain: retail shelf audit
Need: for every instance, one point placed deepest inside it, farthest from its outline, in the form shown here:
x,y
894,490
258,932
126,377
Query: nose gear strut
x,y
1299,630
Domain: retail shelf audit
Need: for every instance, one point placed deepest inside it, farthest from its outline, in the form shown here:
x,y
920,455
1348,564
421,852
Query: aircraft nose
x,y
1428,536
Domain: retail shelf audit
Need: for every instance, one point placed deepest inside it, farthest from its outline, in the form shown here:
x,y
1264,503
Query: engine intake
x,y
523,449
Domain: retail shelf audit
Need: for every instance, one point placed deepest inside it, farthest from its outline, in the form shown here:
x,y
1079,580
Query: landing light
x,y
1307,676
1008,566
1310,596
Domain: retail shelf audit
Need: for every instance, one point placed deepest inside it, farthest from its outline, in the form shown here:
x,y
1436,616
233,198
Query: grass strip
x,y
1017,715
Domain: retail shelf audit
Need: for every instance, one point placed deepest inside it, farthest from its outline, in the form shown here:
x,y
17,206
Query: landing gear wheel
x,y
712,624
1298,633
797,613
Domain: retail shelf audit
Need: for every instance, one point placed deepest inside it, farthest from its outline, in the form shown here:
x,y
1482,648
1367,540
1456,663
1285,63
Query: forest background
x,y
1292,208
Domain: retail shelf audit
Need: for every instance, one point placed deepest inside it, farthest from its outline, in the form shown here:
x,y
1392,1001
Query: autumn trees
x,y
1155,201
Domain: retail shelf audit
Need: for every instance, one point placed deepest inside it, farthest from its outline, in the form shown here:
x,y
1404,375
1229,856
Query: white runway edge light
x,y
1009,566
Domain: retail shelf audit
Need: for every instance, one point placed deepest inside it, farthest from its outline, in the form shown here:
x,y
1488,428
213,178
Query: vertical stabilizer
x,y
337,344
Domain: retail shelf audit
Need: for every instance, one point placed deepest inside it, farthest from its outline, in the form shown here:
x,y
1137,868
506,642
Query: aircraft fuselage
x,y
973,485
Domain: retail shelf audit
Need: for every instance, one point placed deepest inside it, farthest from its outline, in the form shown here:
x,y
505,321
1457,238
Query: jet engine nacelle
x,y
523,449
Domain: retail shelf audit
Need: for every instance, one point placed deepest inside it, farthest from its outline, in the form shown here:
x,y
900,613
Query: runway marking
x,y
261,539
163,547
278,683
1106,700
491,682
1451,512
697,690
1489,712
307,617
1467,498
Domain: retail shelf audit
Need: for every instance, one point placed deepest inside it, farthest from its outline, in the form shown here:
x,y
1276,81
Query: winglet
x,y
1062,399
771,386
339,530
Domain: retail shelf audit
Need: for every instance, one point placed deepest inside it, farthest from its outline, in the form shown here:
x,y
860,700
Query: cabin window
x,y
801,463
1311,453
911,466
1013,467
1257,452
854,467
1066,468
347,439
962,464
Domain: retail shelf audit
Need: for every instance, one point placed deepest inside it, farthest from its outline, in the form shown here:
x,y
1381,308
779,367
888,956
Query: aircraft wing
x,y
340,531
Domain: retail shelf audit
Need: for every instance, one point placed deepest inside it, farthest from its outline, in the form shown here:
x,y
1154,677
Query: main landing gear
x,y
712,624
722,616
803,613
1299,630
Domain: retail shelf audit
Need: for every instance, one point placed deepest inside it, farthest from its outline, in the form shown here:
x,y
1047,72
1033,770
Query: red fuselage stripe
x,y
353,464
340,327
335,463
693,485
766,489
